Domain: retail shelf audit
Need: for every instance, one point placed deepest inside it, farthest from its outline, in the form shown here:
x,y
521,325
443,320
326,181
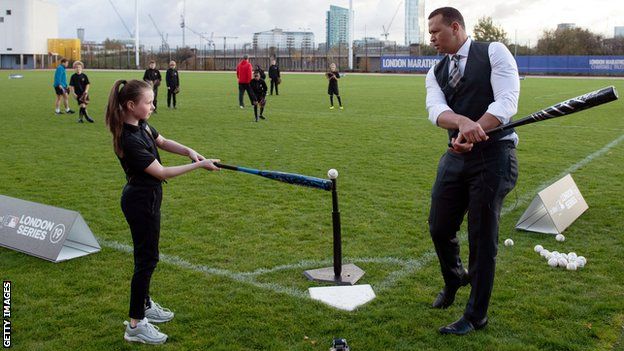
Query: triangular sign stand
x,y
47,232
554,209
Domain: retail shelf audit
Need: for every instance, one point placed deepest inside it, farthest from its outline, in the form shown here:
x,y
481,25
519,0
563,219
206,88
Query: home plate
x,y
345,298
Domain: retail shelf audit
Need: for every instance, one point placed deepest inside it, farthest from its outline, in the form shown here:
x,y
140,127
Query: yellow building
x,y
63,48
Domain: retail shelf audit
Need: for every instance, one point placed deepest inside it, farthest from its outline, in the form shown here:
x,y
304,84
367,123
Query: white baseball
x,y
562,262
509,242
553,262
571,266
538,248
560,237
332,173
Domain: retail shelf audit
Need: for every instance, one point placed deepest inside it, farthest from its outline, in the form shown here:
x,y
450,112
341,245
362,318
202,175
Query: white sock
x,y
58,110
67,109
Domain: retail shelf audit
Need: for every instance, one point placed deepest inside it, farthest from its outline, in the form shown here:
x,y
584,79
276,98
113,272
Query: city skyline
x,y
528,19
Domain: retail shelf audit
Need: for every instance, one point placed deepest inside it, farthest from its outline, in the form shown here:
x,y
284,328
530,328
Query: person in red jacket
x,y
243,73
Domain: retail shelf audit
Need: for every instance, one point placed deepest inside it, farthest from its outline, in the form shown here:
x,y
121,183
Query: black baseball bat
x,y
290,178
564,108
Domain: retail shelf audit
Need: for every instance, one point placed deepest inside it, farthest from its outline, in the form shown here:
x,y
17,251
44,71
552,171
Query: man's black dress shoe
x,y
446,297
463,326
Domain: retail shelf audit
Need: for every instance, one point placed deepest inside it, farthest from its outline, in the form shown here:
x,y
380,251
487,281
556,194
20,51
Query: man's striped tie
x,y
455,75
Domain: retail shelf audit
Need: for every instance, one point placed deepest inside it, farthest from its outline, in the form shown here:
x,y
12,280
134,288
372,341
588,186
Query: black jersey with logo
x,y
79,82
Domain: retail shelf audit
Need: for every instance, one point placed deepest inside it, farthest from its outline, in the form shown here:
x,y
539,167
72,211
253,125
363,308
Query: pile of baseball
x,y
570,261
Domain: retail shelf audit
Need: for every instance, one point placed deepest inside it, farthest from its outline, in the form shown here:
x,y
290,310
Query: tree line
x,y
568,41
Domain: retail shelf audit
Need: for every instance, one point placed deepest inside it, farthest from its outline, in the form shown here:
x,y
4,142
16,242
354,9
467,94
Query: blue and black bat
x,y
290,178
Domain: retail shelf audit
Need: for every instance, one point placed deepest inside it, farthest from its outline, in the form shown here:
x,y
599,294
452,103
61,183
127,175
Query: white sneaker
x,y
145,333
157,314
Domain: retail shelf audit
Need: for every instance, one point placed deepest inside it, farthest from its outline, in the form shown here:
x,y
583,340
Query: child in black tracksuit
x,y
136,145
259,88
152,76
332,76
275,76
79,84
173,84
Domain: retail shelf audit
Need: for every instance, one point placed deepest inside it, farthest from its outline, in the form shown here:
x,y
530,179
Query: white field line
x,y
583,127
238,277
562,94
529,196
408,266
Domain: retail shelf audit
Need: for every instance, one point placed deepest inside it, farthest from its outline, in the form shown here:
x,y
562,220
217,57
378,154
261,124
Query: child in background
x,y
332,76
173,84
275,76
60,87
259,88
79,84
152,76
261,72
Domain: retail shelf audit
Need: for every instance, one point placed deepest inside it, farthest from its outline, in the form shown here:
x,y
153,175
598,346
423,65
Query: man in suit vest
x,y
474,88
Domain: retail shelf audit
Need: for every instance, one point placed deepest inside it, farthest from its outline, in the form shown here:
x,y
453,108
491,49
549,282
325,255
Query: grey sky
x,y
241,18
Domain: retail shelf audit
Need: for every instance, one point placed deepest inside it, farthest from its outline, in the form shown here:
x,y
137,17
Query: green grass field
x,y
234,246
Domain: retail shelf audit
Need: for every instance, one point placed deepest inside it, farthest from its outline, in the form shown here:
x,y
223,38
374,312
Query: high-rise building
x,y
81,34
414,21
277,38
564,26
337,25
618,31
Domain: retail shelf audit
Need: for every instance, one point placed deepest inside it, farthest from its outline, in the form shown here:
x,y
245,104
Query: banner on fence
x,y
408,63
591,65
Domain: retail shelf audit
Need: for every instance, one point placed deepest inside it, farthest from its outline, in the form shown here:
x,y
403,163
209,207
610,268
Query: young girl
x,y
136,145
332,76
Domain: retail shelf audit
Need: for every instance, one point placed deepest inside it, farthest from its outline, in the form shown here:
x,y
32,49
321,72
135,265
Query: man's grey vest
x,y
473,95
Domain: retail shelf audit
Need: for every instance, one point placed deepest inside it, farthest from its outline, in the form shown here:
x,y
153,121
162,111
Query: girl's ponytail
x,y
122,92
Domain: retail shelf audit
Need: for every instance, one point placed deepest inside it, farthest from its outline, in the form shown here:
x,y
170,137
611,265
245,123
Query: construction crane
x,y
163,37
121,19
209,41
225,38
134,34
386,30
182,23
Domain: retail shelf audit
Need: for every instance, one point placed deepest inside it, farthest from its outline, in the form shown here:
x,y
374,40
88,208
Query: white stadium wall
x,y
28,26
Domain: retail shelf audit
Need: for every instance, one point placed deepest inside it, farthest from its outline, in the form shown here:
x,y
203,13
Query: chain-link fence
x,y
211,58
369,57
